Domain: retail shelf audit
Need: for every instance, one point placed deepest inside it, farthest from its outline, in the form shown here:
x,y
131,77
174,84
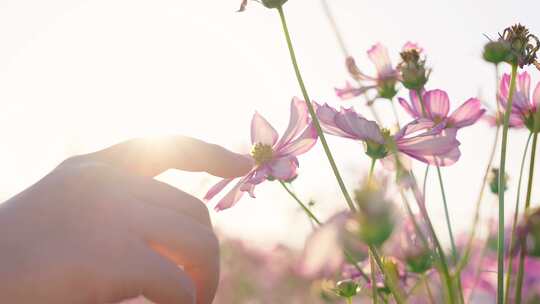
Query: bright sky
x,y
76,76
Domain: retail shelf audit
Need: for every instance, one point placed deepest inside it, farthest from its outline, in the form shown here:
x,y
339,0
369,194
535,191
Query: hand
x,y
99,229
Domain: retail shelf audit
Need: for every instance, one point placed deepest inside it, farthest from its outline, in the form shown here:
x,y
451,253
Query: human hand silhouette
x,y
99,228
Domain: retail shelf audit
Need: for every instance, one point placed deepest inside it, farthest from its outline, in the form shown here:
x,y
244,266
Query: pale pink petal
x,y
378,54
467,114
262,132
437,104
354,71
363,129
412,46
415,102
283,168
424,148
302,144
409,109
249,188
243,6
350,91
259,175
536,98
298,121
442,160
217,188
327,118
491,120
504,88
231,198
417,125
522,94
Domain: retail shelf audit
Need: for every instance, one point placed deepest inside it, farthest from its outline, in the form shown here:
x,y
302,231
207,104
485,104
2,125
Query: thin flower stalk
x,y
312,111
514,224
502,168
521,270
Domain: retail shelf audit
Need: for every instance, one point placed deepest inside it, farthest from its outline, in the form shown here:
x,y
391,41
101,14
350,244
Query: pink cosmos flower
x,y
385,80
435,146
524,107
273,157
437,106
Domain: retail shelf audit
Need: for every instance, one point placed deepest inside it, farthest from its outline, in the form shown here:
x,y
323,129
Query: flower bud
x,y
273,3
523,45
387,88
374,221
347,288
494,181
412,69
497,52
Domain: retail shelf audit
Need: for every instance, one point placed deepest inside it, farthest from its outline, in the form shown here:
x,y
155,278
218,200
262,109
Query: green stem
x,y
521,271
394,287
349,300
374,293
371,168
514,224
452,241
502,170
312,111
476,220
306,209
447,215
425,180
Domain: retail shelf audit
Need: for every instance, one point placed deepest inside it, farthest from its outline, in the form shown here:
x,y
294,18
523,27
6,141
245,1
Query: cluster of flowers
x,y
372,252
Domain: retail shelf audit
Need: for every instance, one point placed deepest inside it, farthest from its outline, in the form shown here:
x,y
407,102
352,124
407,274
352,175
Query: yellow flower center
x,y
262,153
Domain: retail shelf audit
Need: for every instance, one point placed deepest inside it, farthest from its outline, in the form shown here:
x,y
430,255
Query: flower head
x,y
412,70
525,109
523,44
274,158
433,146
436,106
266,3
385,80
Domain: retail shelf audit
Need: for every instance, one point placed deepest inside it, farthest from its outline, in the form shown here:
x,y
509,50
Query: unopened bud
x,y
273,3
413,72
497,52
494,181
347,288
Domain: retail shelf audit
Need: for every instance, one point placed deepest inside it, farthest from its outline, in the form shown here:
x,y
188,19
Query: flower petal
x,y
350,91
409,109
327,118
231,198
262,132
412,46
298,121
217,188
415,102
302,144
378,54
437,104
283,168
536,98
426,147
351,122
467,114
522,94
354,71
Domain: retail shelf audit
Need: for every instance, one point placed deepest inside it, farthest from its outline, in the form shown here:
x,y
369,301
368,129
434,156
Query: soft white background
x,y
76,76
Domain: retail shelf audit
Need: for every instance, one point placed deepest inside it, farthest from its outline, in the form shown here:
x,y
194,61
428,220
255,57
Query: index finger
x,y
152,156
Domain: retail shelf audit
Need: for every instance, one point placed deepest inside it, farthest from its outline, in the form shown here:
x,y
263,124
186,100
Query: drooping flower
x,y
274,158
385,80
436,106
524,108
434,146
